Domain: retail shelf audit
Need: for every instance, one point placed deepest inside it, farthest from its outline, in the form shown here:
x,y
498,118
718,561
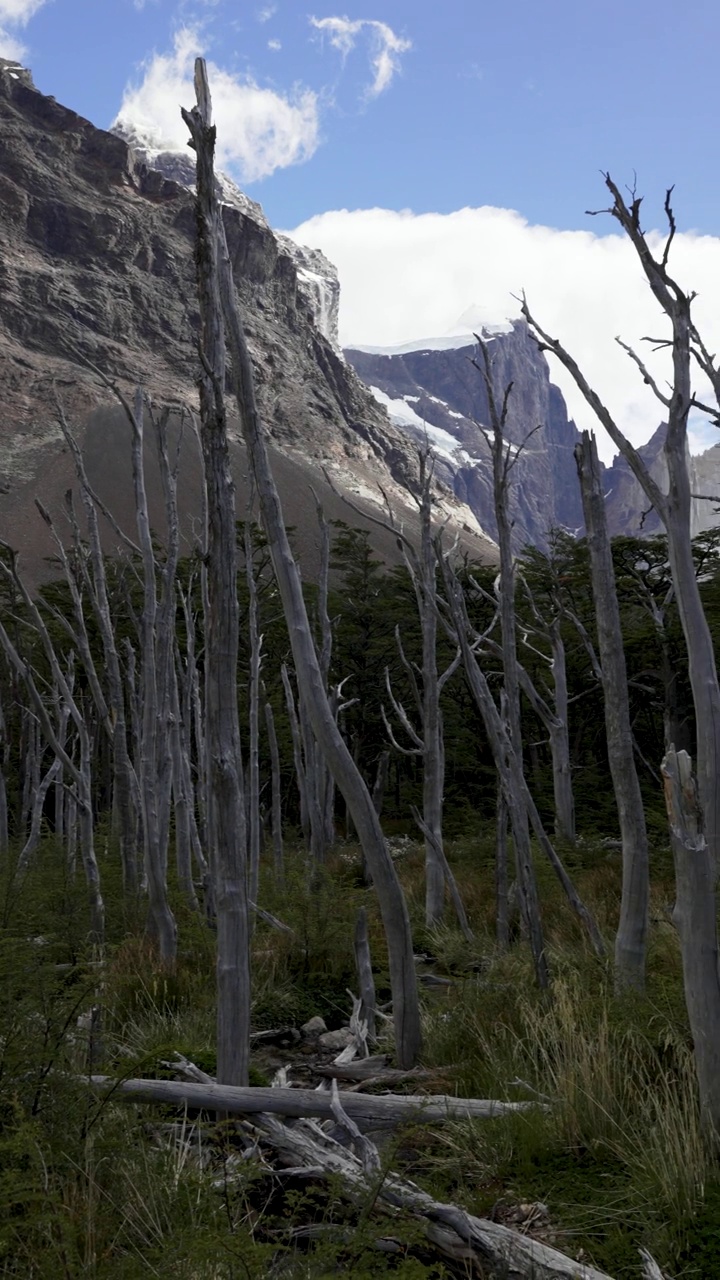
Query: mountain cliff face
x,y
96,268
434,391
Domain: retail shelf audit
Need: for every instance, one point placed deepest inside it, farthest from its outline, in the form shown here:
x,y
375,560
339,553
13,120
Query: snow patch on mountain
x,y
440,441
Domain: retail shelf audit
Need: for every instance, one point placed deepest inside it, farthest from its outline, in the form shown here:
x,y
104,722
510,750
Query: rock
x,y
332,1041
96,265
437,385
314,1027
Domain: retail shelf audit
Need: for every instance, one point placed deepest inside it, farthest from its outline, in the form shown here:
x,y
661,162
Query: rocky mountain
x,y
96,270
434,392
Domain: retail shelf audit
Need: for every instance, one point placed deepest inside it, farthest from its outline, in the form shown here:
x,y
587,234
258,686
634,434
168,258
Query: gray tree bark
x,y
253,767
631,938
406,1010
80,774
695,915
502,463
276,793
672,507
227,823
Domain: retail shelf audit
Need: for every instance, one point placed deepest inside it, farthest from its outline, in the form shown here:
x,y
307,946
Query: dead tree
x,y
552,707
156,625
510,773
80,773
276,793
4,761
406,1010
673,507
427,741
631,937
253,767
504,457
226,817
126,792
695,915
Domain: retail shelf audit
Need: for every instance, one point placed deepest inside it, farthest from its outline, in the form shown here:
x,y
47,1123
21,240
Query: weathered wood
x,y
126,791
276,793
695,915
503,460
393,907
254,638
385,1111
631,938
80,773
459,1235
155,765
674,506
363,962
227,822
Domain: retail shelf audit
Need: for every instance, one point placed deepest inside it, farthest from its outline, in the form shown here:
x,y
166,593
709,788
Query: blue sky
x,y
404,114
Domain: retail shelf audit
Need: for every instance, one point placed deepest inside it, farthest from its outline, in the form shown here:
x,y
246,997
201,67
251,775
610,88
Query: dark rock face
x,y
443,389
96,265
627,506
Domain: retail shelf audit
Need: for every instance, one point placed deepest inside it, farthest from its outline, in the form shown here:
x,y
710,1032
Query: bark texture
x,y
227,827
631,938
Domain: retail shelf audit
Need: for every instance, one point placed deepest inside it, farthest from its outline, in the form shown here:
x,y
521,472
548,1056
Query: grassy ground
x,y
617,1160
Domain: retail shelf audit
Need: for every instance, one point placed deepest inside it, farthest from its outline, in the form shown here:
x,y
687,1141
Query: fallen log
x,y
369,1112
456,1234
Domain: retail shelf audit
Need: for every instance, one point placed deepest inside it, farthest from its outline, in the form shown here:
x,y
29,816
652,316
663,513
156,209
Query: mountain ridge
x,y
96,268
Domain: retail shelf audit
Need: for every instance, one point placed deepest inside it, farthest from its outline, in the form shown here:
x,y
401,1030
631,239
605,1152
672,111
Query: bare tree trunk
x,y
81,774
226,800
428,740
695,915
503,461
502,902
154,771
182,799
560,742
365,975
406,1010
4,760
41,791
126,794
672,507
276,789
381,780
253,768
324,781
300,774
631,938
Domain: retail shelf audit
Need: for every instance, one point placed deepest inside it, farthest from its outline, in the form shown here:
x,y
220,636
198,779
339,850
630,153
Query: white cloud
x,y
268,12
405,276
18,12
259,130
275,45
10,48
385,46
15,13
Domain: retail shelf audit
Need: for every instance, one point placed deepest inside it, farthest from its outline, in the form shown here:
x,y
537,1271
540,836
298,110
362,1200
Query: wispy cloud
x,y
266,13
259,130
405,276
386,47
275,45
15,14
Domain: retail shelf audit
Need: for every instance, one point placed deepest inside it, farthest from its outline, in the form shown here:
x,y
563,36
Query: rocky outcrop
x,y
433,391
96,268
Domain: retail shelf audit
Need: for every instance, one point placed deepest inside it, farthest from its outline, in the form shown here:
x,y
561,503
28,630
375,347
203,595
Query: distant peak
x,y
479,319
